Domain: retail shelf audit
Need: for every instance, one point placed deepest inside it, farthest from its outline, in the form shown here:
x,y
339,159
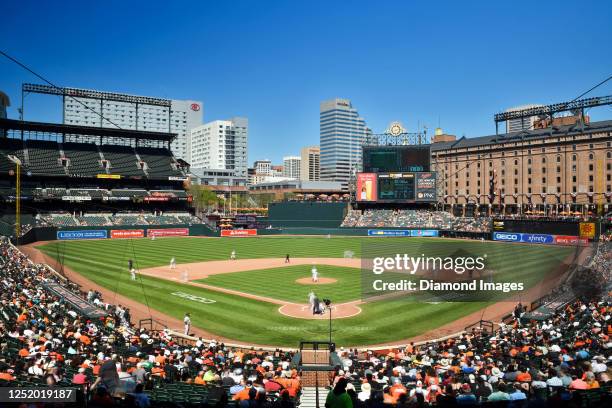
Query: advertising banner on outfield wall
x,y
403,233
389,233
526,238
570,240
82,234
539,238
587,230
128,233
168,232
366,187
239,233
423,233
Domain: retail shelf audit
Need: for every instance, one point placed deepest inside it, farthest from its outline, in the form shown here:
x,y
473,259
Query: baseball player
x,y
133,273
233,255
315,273
172,263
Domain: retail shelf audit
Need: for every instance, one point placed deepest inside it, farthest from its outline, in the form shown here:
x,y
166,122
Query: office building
x,y
520,124
342,134
87,107
310,163
291,167
263,167
221,145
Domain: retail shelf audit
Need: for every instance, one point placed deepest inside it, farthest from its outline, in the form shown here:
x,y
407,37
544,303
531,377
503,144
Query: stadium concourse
x,y
565,360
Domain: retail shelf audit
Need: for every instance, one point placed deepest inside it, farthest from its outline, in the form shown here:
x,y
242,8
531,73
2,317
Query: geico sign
x,y
507,237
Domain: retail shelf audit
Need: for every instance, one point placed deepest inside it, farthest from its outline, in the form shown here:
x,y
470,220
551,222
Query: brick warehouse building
x,y
557,169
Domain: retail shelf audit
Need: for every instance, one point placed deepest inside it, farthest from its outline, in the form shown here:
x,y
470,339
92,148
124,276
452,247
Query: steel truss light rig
x,y
577,107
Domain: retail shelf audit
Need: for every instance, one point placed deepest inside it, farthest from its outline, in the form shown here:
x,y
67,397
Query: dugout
x,y
296,214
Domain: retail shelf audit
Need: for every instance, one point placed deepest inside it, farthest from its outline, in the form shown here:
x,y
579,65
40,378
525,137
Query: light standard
x,y
17,162
328,307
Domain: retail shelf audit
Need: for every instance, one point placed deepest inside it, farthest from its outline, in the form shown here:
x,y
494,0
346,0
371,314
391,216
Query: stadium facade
x,y
125,112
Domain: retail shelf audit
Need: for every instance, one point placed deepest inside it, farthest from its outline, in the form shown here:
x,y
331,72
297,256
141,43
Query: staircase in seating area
x,y
316,361
308,398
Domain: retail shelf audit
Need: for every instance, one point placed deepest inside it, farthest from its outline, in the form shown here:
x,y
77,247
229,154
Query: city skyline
x,y
416,64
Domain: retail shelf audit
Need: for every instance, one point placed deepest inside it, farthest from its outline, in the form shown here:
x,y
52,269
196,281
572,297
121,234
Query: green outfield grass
x,y
246,320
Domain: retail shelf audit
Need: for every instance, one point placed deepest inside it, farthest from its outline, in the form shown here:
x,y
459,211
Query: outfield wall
x,y
309,214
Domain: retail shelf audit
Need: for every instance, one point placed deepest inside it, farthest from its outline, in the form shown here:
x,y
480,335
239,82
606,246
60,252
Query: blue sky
x,y
453,63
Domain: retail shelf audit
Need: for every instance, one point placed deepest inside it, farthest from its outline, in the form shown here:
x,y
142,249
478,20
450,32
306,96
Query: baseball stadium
x,y
396,287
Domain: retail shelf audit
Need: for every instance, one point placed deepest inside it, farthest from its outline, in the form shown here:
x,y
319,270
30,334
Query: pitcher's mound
x,y
341,311
321,281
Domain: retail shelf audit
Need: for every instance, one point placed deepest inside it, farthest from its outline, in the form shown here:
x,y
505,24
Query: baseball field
x,y
259,299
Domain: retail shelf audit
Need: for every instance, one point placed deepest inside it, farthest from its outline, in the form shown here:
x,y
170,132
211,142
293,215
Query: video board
x,y
388,159
396,187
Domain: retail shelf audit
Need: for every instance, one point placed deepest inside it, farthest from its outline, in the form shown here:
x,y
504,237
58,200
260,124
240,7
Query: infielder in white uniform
x,y
133,273
233,255
173,263
315,274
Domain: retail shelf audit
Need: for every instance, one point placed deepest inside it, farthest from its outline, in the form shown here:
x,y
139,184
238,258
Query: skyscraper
x,y
309,165
291,167
342,134
4,103
221,144
135,112
527,123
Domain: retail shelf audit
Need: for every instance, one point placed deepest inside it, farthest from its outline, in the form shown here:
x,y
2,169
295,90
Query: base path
x,y
320,281
201,270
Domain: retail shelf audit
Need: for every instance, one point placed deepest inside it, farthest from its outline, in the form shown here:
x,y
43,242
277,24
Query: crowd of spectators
x,y
65,219
561,361
422,219
45,342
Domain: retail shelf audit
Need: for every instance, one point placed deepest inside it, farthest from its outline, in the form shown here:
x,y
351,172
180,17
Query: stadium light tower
x,y
17,162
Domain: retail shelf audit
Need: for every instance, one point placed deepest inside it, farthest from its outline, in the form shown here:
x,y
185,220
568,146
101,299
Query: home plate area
x,y
303,311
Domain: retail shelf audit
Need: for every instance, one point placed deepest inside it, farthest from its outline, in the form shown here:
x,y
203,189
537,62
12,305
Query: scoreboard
x,y
396,187
396,174
381,159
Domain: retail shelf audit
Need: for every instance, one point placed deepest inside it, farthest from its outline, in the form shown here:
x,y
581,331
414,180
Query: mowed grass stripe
x,y
246,320
279,283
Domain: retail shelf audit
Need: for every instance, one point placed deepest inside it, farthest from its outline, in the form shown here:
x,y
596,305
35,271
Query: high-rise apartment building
x,y
291,167
309,165
342,134
221,145
87,107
